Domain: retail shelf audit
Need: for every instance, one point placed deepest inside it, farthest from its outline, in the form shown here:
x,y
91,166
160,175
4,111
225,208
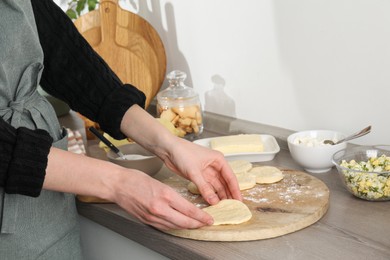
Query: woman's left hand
x,y
207,168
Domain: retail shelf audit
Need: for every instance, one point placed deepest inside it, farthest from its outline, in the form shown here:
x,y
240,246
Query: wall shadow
x,y
153,14
217,100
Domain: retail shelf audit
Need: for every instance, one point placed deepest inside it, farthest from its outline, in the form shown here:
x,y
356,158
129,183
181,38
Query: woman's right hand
x,y
155,203
147,199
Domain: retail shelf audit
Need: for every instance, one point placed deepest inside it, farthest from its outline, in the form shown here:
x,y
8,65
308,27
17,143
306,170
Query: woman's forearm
x,y
147,131
73,173
145,198
78,174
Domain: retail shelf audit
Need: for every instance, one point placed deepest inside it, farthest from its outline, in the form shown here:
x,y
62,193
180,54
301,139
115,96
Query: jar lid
x,y
177,89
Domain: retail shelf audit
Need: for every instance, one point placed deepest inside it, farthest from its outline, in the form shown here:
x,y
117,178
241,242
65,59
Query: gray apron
x,y
45,227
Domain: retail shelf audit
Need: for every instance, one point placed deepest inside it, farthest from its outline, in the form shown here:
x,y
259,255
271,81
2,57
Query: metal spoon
x,y
353,136
107,142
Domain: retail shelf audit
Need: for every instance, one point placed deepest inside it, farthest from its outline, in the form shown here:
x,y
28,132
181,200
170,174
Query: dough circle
x,y
266,174
240,166
245,181
229,211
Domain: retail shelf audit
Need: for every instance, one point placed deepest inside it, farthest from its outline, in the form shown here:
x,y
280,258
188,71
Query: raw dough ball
x,y
229,212
266,174
240,166
193,188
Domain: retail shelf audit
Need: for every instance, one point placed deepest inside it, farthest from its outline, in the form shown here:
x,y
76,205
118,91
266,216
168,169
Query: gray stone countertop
x,y
351,229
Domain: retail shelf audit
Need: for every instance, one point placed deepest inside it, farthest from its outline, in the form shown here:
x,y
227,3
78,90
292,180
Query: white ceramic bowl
x,y
141,159
316,158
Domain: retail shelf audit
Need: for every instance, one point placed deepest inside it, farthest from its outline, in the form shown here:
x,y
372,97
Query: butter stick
x,y
238,143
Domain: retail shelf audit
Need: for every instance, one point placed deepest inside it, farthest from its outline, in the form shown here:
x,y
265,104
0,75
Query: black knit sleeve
x,y
23,159
76,74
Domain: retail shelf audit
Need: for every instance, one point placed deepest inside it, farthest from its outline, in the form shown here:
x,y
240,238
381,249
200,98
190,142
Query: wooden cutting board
x,y
298,201
128,43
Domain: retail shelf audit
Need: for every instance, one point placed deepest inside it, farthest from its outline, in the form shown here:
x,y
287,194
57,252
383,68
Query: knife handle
x,y
103,139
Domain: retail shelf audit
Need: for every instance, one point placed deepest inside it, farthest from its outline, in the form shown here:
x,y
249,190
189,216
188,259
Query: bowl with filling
x,y
311,150
365,171
136,157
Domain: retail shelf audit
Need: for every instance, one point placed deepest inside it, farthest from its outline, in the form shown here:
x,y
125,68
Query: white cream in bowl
x,y
306,149
310,141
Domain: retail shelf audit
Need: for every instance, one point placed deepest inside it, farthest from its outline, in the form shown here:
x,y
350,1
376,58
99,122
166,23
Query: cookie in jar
x,y
180,105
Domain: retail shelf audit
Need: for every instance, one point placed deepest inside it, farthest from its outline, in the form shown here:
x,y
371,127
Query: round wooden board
x,y
129,45
298,201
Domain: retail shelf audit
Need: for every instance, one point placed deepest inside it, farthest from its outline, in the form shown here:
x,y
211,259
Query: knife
x,y
107,142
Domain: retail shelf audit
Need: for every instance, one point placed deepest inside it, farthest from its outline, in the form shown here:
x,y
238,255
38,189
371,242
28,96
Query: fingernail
x,y
213,199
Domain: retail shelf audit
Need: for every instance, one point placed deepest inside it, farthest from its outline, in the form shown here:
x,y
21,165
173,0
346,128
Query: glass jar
x,y
180,105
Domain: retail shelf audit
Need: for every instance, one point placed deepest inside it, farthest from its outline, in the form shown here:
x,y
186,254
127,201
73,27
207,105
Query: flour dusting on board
x,y
287,191
289,205
292,189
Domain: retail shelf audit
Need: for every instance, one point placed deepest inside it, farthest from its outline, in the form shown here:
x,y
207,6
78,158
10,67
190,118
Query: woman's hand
x,y
156,204
207,168
149,200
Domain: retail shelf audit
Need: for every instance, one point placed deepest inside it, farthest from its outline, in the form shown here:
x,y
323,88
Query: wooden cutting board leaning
x,y
129,45
296,202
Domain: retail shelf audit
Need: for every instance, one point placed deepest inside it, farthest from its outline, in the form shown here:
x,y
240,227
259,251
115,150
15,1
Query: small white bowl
x,y
143,160
316,158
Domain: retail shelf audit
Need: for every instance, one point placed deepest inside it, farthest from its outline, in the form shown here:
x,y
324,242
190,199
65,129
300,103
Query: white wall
x,y
302,64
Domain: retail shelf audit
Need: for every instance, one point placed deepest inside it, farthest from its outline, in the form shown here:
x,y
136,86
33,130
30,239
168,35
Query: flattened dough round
x,y
240,166
229,211
245,181
266,174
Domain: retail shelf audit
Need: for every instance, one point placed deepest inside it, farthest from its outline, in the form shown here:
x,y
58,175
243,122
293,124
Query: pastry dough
x,y
229,211
266,174
245,181
240,166
193,188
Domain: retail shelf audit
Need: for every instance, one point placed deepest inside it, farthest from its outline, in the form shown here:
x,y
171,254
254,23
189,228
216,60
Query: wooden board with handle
x,y
296,202
128,43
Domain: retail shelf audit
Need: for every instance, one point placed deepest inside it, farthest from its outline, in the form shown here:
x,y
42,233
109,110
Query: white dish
x,y
271,148
317,158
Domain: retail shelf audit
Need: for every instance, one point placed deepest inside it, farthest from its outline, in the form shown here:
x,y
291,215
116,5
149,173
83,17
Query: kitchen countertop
x,y
351,229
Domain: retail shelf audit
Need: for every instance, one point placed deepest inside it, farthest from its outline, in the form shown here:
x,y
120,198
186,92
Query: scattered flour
x,y
292,189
